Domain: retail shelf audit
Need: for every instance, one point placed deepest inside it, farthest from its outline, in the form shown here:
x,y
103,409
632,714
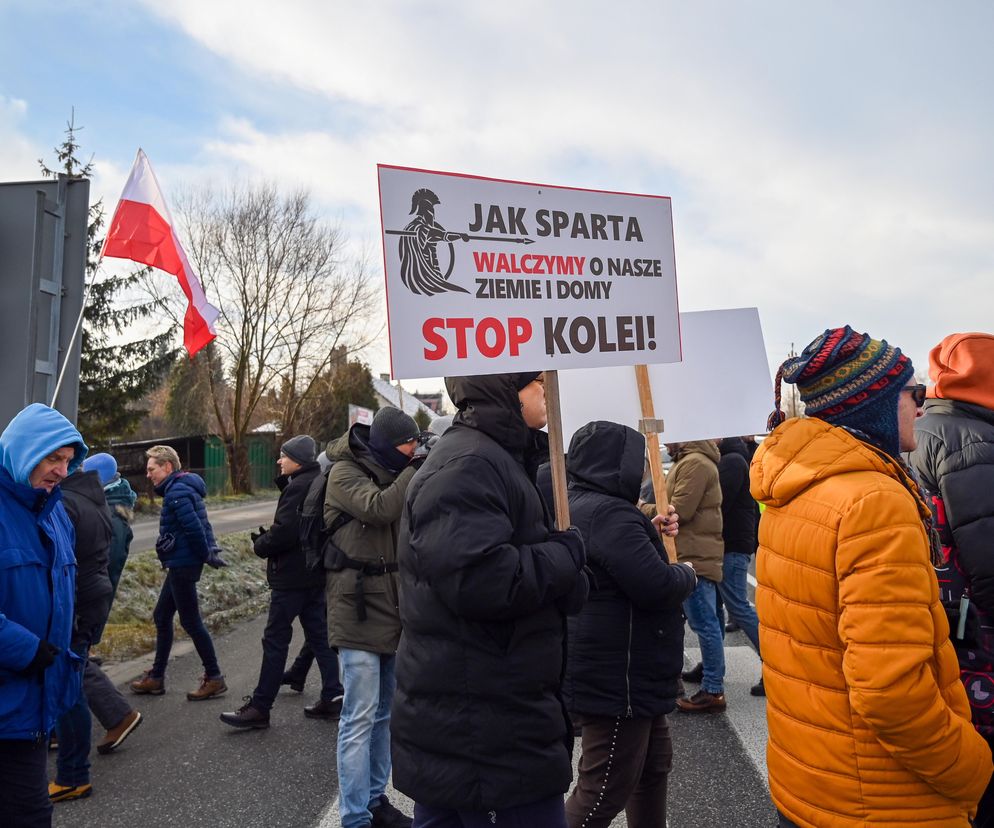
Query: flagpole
x,y
75,332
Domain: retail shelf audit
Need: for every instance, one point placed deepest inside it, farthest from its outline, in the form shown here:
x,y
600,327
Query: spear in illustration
x,y
466,237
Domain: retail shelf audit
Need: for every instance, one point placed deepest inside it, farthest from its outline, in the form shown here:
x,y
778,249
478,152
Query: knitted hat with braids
x,y
850,380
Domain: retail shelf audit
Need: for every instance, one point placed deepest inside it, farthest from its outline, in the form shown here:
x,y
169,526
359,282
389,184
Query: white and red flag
x,y
143,230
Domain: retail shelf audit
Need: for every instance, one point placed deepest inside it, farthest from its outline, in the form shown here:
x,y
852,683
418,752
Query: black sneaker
x,y
386,815
731,626
695,675
246,717
294,682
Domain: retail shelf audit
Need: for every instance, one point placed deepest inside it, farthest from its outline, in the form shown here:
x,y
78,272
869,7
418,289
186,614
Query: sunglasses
x,y
917,393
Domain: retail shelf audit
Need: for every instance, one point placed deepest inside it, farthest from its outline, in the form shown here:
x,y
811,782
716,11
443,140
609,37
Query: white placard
x,y
721,389
358,414
486,276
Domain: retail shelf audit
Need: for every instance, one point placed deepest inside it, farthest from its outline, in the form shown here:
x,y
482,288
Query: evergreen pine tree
x,y
113,378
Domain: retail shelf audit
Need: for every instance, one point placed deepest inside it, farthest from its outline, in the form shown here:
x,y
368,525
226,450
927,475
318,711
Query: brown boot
x,y
702,702
117,734
208,689
148,685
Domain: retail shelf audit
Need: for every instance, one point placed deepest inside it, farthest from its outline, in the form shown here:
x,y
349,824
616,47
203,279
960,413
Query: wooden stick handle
x,y
557,457
652,445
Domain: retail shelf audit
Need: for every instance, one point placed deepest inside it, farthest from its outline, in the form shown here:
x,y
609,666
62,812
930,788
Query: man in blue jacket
x,y
40,679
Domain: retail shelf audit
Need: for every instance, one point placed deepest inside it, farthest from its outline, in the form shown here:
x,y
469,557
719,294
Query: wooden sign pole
x,y
651,427
557,457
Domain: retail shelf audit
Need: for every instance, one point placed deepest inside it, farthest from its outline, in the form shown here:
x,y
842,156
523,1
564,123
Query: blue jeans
x,y
308,606
548,813
179,594
735,594
703,620
364,733
72,764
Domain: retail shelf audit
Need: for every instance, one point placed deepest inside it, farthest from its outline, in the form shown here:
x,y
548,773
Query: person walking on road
x,y
186,542
868,721
296,593
625,647
955,461
363,503
694,490
40,676
481,735
739,521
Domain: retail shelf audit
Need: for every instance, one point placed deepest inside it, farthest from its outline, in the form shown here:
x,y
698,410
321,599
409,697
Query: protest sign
x,y
488,276
358,414
721,388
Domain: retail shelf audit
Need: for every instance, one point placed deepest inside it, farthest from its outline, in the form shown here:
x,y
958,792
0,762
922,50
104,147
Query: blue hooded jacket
x,y
37,576
184,519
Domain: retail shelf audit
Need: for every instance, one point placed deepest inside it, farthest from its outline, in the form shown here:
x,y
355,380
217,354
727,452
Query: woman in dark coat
x,y
625,648
479,731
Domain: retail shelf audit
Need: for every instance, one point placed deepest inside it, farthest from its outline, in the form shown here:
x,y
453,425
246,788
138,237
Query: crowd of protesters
x,y
464,641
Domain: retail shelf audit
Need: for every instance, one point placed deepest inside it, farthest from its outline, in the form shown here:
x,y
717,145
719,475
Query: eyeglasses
x,y
917,393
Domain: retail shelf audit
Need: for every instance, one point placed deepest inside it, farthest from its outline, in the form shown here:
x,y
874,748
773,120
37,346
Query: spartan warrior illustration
x,y
419,240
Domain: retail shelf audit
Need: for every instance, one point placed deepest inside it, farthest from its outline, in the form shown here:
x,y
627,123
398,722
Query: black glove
x,y
573,541
426,442
44,658
256,535
214,558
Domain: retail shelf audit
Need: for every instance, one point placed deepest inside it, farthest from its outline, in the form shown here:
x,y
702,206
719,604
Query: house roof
x,y
389,394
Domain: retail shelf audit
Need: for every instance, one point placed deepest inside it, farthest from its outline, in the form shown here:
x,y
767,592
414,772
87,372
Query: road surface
x,y
229,519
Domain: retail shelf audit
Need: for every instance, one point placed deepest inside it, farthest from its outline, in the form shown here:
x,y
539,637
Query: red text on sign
x,y
490,337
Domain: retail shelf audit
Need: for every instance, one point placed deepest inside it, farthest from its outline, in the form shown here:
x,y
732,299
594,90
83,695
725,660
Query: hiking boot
x,y
246,716
702,702
695,675
148,685
66,793
325,709
293,681
758,689
386,815
117,734
208,689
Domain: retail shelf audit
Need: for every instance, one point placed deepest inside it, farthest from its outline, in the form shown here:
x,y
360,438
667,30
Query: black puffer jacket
x,y
626,645
739,512
87,507
955,458
478,721
280,545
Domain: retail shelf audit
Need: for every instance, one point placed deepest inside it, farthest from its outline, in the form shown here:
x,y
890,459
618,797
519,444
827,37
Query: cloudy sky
x,y
829,163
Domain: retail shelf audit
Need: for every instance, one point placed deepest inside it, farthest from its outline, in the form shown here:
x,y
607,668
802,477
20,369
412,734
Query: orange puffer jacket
x,y
868,721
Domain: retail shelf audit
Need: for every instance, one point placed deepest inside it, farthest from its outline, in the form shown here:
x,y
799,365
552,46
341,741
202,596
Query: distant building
x,y
388,394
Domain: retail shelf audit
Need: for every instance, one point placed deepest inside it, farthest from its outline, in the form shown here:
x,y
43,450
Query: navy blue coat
x,y
37,576
184,518
625,648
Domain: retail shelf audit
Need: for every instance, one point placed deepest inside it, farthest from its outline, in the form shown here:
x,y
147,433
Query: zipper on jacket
x,y
628,665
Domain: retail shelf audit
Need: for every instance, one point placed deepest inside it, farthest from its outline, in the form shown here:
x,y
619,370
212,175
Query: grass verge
x,y
228,595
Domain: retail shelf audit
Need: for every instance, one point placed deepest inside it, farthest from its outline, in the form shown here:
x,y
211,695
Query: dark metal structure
x,y
42,275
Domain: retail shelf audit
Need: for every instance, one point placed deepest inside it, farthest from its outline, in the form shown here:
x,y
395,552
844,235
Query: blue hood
x,y
34,434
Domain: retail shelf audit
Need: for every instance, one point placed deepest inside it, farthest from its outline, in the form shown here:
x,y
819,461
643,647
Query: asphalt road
x,y
229,519
182,767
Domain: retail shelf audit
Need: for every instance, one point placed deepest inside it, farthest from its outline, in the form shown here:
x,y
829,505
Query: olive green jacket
x,y
358,486
693,489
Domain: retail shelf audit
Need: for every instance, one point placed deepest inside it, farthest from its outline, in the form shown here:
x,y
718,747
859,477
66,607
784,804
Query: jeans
x,y
179,594
302,663
24,801
364,733
703,619
285,605
734,592
547,813
72,764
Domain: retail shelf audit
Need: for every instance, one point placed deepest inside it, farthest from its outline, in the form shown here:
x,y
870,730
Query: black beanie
x,y
391,427
301,449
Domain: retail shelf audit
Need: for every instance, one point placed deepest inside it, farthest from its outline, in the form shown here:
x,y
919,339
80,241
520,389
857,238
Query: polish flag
x,y
142,230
